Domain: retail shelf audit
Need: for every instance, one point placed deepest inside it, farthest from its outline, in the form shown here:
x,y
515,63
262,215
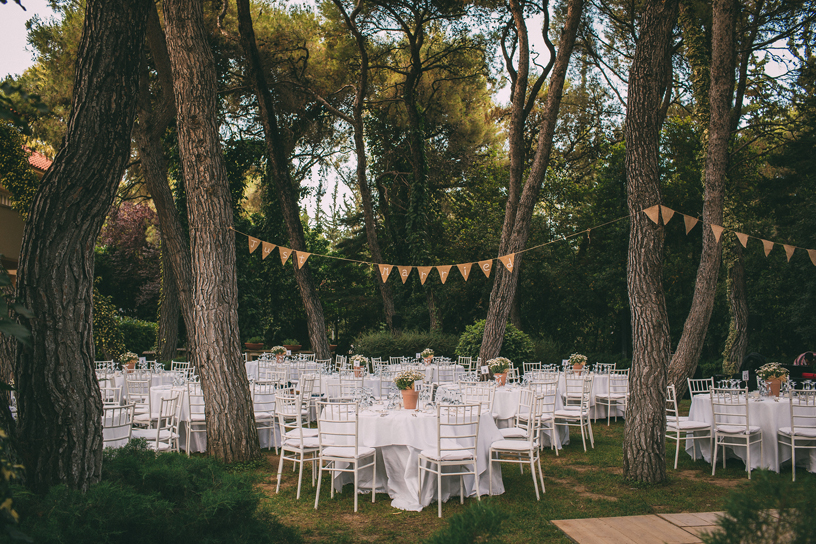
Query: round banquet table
x,y
399,436
770,415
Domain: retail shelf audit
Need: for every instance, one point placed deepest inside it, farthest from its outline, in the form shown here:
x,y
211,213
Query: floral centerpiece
x,y
427,355
279,352
578,362
128,359
499,367
359,362
405,383
773,374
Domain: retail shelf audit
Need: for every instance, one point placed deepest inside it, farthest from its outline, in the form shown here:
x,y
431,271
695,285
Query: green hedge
x,y
409,343
108,340
516,346
139,336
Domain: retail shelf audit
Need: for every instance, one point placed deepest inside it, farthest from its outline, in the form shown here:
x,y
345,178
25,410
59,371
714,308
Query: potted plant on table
x,y
499,367
128,360
578,362
358,362
405,383
279,352
773,374
427,355
292,345
253,344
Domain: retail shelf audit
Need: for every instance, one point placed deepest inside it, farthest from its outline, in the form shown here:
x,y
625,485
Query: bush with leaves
x,y
479,523
139,336
384,344
516,346
108,340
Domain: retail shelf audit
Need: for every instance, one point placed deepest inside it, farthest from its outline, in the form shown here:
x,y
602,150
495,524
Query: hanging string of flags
x,y
655,213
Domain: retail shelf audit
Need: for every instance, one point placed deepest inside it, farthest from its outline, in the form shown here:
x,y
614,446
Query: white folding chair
x,y
512,450
117,425
340,449
446,374
574,387
529,367
456,440
547,394
577,415
138,393
482,394
617,394
676,424
802,432
180,366
520,429
299,445
165,436
305,387
197,422
466,363
264,397
732,425
111,396
700,386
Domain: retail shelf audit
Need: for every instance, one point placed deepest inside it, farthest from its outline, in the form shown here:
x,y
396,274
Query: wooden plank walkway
x,y
649,529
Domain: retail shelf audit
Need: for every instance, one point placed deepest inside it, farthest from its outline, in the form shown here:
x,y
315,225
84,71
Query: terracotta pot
x,y
502,378
293,348
130,364
409,398
358,372
577,369
253,346
279,358
773,386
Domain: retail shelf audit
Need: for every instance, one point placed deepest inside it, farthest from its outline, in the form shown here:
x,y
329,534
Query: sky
x,y
14,58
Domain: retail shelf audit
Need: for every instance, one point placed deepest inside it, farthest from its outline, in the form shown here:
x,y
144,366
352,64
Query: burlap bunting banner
x,y
690,222
385,270
717,230
667,214
423,273
404,272
301,257
508,261
812,255
743,238
789,250
284,253
266,249
768,245
653,213
444,270
253,244
464,269
486,266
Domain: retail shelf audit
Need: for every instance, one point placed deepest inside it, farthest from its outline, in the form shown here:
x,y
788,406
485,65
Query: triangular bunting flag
x,y
743,238
690,222
284,253
465,269
812,255
667,214
444,270
508,261
253,244
423,273
768,245
717,230
301,257
385,270
266,249
789,250
486,266
404,272
653,213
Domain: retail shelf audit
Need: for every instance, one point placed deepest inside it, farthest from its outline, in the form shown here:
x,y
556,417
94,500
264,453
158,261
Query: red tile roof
x,y
38,161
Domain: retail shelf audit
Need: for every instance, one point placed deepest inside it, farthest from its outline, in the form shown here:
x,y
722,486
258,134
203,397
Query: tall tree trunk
x,y
736,345
59,404
644,441
283,182
8,351
506,282
687,354
231,432
167,335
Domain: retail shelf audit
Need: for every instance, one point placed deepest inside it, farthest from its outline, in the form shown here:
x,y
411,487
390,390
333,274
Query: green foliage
x,y
15,173
516,346
8,325
147,498
109,343
9,111
547,351
138,336
771,510
409,343
481,522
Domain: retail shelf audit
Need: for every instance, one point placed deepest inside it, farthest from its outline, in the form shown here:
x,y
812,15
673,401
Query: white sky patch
x,y
14,58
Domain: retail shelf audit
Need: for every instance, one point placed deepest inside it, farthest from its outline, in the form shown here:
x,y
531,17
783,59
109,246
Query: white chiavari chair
x,y
732,425
802,432
512,450
676,424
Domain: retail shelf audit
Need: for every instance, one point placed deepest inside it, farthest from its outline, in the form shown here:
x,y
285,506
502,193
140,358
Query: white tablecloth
x,y
399,436
769,415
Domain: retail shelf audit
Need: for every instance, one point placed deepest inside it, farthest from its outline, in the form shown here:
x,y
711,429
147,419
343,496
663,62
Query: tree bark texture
x,y
167,335
231,432
644,444
736,345
505,282
59,404
690,346
8,351
284,185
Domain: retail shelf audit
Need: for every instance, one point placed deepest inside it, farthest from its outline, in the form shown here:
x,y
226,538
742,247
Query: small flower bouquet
x,y
406,378
499,365
772,371
577,359
359,360
128,359
278,350
427,352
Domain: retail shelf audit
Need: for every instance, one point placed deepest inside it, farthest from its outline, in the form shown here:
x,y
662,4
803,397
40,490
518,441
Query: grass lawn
x,y
578,485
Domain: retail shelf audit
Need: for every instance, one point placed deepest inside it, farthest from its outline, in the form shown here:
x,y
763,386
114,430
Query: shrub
x,y
479,523
148,498
409,343
108,340
547,351
139,336
517,346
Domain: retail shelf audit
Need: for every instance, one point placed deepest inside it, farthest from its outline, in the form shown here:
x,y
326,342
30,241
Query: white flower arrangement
x,y
359,360
772,371
278,350
427,352
577,359
406,379
499,365
128,356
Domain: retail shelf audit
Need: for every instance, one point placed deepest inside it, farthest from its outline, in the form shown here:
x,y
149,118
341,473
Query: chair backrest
x,y
264,397
700,386
118,421
619,382
111,395
605,368
195,399
672,413
512,375
308,356
138,392
574,387
525,407
730,407
342,391
268,372
466,363
337,424
306,385
446,374
803,410
324,365
179,366
288,408
457,429
547,395
527,367
481,394
340,362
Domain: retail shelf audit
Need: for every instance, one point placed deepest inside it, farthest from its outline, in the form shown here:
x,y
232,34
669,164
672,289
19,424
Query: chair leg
x,y
439,488
583,438
476,477
374,479
300,475
280,471
356,482
714,457
541,476
533,471
490,472
319,480
419,487
591,436
793,458
677,450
